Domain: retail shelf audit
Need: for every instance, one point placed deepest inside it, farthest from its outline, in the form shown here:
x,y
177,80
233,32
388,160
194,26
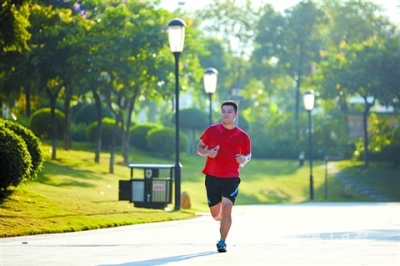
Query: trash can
x,y
152,189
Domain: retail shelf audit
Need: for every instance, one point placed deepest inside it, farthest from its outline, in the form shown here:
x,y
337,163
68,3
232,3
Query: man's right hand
x,y
212,153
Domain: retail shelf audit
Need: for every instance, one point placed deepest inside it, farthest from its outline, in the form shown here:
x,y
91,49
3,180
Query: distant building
x,y
355,116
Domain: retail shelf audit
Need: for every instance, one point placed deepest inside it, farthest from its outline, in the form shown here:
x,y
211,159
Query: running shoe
x,y
221,246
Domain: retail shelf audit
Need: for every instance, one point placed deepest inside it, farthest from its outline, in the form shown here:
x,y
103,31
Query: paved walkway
x,y
293,234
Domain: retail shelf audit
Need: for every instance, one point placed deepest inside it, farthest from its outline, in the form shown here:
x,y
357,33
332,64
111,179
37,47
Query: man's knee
x,y
227,205
216,211
217,217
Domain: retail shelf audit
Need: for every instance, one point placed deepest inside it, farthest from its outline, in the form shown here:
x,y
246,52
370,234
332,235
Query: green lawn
x,y
73,193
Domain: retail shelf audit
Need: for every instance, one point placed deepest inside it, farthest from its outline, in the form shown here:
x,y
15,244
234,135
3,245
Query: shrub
x,y
16,162
32,143
106,132
139,134
40,123
392,154
265,147
59,106
193,118
162,141
79,132
87,114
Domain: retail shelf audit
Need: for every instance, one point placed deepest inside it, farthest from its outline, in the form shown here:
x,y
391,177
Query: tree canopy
x,y
115,54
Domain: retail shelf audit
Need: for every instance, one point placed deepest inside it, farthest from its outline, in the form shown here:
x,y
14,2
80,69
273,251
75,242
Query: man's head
x,y
230,103
228,113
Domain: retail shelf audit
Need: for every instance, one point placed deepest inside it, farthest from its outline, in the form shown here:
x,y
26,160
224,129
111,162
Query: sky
x,y
390,6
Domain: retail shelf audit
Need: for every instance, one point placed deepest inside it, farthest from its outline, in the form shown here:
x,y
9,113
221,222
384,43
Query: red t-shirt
x,y
231,142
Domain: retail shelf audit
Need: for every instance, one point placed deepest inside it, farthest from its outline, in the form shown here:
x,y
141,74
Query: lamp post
x,y
176,36
308,100
210,85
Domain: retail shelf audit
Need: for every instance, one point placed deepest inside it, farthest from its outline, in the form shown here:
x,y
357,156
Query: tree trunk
x,y
99,128
298,85
112,148
67,121
28,110
345,109
126,133
297,106
53,124
366,142
118,119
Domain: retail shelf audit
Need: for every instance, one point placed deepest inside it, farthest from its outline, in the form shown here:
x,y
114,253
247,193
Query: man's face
x,y
228,114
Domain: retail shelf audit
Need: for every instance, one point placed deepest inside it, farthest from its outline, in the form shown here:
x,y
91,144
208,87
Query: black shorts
x,y
217,188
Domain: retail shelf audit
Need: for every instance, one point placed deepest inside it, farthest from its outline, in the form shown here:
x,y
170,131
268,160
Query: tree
x,y
289,44
49,28
130,56
193,120
14,21
350,22
232,24
217,58
130,42
367,70
384,64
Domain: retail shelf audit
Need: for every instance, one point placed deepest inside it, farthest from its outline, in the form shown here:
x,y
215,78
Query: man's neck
x,y
228,126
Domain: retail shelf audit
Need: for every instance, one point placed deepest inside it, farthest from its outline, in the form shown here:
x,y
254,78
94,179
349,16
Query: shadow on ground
x,y
160,261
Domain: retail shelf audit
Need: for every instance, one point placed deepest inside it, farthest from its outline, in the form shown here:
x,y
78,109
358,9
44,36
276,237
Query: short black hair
x,y
231,103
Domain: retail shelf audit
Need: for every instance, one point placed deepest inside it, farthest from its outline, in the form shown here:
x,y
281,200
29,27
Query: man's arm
x,y
247,158
242,159
203,150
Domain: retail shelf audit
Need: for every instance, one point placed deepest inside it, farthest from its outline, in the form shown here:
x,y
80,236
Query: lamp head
x,y
176,35
210,80
309,99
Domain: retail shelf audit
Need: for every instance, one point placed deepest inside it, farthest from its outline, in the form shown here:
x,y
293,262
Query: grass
x,y
73,193
380,176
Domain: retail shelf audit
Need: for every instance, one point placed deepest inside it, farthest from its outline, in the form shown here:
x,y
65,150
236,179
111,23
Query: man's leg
x,y
216,211
226,218
225,224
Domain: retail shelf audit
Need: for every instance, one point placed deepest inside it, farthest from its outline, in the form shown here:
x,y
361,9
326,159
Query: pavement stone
x,y
277,234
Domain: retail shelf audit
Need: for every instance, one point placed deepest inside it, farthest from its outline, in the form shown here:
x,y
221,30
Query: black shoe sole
x,y
221,250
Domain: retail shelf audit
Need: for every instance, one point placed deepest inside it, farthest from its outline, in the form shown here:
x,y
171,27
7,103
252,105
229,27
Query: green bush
x,y
139,133
192,118
79,132
263,146
23,120
391,153
106,132
32,142
40,123
59,106
16,162
87,114
162,141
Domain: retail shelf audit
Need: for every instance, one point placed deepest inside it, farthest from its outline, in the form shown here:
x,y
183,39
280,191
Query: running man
x,y
227,148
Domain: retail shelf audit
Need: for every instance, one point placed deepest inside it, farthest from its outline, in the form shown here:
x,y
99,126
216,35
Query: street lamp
x,y
210,85
176,35
308,100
